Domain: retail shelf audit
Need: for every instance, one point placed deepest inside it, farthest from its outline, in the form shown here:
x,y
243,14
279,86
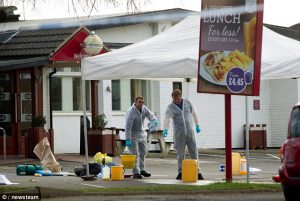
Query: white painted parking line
x,y
213,155
94,185
274,156
159,175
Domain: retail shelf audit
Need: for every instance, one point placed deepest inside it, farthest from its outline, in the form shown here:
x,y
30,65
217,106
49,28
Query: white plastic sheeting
x,y
174,54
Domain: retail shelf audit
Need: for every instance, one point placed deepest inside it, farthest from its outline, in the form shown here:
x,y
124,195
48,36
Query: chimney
x,y
7,13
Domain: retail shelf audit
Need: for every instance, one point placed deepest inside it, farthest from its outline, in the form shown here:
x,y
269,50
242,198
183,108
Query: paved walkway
x,y
163,170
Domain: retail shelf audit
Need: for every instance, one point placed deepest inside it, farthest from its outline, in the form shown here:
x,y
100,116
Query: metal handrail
x,y
4,143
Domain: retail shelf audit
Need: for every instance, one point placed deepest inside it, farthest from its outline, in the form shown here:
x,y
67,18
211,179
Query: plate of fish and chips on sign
x,y
216,65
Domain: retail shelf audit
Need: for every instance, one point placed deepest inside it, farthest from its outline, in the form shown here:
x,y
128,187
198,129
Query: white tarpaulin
x,y
174,54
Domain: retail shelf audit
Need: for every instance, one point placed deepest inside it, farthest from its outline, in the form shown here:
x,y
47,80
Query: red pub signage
x,y
230,47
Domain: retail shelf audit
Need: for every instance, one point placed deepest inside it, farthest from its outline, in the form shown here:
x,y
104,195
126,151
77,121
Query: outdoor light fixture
x,y
92,45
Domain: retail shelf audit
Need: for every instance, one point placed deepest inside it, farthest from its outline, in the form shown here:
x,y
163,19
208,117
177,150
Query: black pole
x,y
50,98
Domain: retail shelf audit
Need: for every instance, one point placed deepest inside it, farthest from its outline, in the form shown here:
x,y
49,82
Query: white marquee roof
x,y
174,54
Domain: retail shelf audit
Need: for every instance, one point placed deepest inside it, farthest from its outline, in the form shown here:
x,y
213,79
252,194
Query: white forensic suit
x,y
134,131
183,130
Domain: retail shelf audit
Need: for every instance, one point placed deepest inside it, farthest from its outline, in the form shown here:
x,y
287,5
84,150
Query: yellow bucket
x,y
128,161
236,158
189,170
117,173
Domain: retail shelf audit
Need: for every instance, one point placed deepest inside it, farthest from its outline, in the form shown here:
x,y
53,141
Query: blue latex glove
x,y
156,122
128,143
198,129
165,132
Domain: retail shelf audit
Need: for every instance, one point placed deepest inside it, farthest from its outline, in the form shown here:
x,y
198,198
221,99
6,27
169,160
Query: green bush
x,y
99,121
38,121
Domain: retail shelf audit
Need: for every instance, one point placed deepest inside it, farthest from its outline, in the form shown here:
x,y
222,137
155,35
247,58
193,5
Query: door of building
x,y
16,109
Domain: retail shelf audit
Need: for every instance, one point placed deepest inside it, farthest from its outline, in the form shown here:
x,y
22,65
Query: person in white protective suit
x,y
182,113
136,137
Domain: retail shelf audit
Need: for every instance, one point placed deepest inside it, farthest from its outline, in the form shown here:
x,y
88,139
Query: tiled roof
x,y
34,43
6,36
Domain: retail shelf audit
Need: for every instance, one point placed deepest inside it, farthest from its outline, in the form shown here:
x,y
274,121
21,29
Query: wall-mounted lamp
x,y
108,89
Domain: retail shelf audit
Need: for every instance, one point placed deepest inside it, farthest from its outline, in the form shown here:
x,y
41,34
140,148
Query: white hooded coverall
x,y
183,130
134,131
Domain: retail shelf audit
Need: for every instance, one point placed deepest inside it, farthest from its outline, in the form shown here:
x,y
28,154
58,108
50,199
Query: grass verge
x,y
5,189
222,186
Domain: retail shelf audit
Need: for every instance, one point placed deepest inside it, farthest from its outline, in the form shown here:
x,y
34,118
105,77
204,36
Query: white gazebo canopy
x,y
174,54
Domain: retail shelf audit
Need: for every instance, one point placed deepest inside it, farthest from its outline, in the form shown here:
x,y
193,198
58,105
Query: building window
x,y
75,69
140,88
56,94
177,85
77,98
6,103
116,94
129,90
66,90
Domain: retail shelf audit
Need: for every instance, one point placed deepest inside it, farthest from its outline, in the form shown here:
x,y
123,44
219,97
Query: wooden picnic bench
x,y
152,138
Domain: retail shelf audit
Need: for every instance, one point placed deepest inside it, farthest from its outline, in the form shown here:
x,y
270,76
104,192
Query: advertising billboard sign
x,y
230,47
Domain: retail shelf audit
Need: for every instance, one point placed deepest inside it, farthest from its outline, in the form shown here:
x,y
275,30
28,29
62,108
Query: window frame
x,y
67,104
